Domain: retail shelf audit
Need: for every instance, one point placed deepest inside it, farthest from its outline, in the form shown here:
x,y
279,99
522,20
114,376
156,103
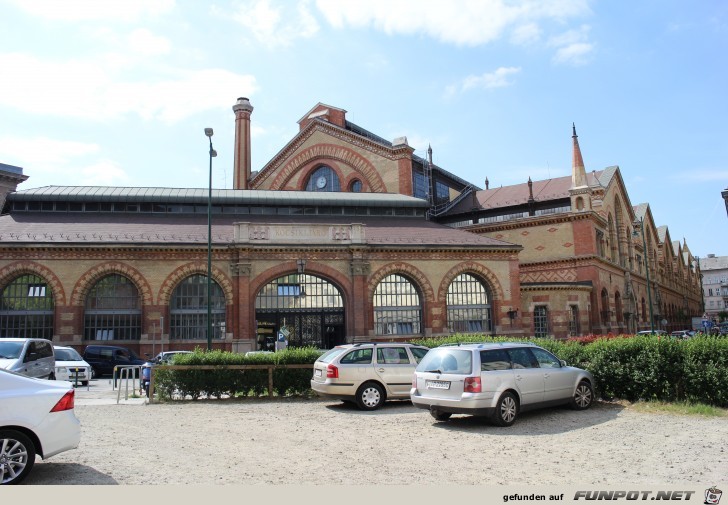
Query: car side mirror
x,y
563,363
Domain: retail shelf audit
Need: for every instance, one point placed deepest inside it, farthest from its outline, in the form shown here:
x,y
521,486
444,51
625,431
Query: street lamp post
x,y
641,226
213,153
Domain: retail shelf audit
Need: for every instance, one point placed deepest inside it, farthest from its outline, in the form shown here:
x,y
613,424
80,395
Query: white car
x,y
71,367
36,418
165,357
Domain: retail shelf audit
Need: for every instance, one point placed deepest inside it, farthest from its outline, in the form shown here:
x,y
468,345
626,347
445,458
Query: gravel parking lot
x,y
325,442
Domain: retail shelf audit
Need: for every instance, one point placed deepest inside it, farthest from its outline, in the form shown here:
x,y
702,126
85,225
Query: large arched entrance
x,y
306,309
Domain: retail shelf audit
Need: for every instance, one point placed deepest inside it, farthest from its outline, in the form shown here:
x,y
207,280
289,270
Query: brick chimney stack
x,y
241,169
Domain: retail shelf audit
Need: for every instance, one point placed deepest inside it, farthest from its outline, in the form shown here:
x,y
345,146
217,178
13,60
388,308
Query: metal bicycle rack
x,y
133,372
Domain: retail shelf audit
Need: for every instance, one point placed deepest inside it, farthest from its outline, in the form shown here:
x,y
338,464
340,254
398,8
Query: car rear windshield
x,y
331,354
10,350
447,360
67,355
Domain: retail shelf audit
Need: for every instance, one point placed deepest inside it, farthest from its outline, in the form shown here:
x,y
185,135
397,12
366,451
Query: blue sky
x,y
119,92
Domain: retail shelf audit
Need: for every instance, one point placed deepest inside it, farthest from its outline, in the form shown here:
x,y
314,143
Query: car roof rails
x,y
368,343
458,344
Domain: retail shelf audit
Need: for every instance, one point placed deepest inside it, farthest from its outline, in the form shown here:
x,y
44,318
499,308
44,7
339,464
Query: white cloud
x,y
573,46
145,42
87,10
43,150
62,160
276,26
103,173
497,79
92,90
526,34
469,23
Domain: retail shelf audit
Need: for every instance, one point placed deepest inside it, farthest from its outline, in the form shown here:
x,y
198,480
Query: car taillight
x,y
332,372
65,403
473,385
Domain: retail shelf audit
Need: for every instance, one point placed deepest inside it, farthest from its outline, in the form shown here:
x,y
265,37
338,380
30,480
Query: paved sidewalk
x,y
101,392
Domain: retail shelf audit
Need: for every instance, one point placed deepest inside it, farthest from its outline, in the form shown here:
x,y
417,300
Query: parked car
x,y
165,357
367,373
652,332
103,358
70,366
28,356
498,380
36,419
682,334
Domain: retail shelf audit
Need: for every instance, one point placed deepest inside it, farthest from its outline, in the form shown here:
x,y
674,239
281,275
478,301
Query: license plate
x,y
318,373
438,384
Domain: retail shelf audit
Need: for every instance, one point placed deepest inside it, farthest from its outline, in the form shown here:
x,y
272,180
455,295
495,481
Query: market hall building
x,y
328,243
343,236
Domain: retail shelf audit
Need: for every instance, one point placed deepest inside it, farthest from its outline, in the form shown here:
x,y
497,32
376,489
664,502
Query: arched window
x,y
468,305
188,309
113,311
612,238
308,310
323,179
618,306
26,308
356,186
397,307
605,306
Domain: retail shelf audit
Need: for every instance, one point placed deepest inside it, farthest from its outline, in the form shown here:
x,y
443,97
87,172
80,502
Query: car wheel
x,y
583,396
370,396
507,410
439,415
84,383
17,455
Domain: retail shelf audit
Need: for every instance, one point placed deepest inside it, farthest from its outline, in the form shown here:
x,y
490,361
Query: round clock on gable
x,y
321,182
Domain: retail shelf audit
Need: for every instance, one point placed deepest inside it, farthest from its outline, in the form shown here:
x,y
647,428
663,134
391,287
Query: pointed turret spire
x,y
429,153
487,183
578,172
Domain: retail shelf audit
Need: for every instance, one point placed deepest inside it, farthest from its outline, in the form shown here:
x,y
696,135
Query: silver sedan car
x,y
36,419
498,381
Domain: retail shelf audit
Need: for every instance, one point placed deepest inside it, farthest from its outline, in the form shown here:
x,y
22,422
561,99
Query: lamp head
x,y
213,153
208,132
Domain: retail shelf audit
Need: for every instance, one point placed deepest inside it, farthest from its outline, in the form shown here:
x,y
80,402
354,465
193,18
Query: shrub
x,y
228,382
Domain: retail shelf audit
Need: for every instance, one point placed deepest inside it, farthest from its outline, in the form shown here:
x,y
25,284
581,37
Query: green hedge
x,y
641,367
629,368
236,383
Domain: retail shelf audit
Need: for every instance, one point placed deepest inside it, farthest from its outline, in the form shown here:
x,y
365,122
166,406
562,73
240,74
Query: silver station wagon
x,y
367,373
497,380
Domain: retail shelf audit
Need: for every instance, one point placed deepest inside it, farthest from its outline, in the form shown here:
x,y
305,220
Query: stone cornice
x,y
557,287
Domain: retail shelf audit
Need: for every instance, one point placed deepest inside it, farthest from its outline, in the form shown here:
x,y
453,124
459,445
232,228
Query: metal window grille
x,y
420,189
332,180
397,307
574,328
540,321
188,309
468,305
113,310
26,308
299,292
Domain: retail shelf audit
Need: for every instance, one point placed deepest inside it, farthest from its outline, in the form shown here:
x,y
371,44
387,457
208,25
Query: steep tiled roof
x,y
62,228
545,190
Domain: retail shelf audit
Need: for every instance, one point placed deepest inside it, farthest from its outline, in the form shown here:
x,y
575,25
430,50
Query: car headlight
x,y
60,370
